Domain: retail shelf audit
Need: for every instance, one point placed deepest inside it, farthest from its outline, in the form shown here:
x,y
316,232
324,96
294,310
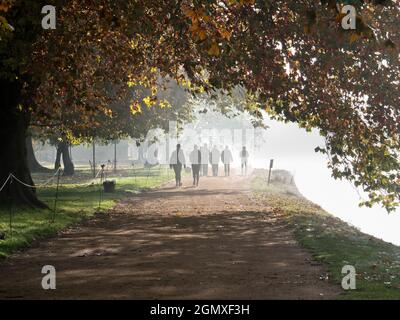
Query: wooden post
x,y
101,185
271,165
115,156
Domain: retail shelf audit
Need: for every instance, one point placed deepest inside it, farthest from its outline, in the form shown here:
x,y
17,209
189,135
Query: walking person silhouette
x,y
204,160
214,159
195,160
244,156
227,159
176,162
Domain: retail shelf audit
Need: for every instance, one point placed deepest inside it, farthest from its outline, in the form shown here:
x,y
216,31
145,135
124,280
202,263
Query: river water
x,y
292,149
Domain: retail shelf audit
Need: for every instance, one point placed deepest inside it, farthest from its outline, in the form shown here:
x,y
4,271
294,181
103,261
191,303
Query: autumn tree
x,y
132,116
293,57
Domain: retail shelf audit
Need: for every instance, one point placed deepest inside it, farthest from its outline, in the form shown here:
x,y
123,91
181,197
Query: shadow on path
x,y
207,243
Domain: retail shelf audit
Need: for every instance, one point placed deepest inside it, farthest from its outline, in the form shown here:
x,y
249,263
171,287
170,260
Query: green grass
x,y
334,242
78,199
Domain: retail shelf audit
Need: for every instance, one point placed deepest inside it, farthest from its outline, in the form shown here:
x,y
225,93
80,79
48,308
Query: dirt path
x,y
190,243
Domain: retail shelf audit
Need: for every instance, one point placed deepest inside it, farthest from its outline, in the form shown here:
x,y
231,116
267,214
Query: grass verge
x,y
78,199
333,241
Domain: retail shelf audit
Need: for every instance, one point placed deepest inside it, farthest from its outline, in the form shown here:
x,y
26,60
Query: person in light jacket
x,y
227,159
244,156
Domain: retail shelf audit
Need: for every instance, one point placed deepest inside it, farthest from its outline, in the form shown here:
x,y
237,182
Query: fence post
x,y
94,158
56,195
11,205
101,185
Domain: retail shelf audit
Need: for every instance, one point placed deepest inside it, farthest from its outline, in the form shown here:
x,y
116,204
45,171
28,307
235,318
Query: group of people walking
x,y
200,158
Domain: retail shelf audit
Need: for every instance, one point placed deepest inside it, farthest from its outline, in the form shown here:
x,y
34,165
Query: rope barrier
x,y
51,179
11,175
23,183
11,178
5,183
94,179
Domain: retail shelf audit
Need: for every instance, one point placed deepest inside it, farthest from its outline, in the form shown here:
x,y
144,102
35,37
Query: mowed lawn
x,y
79,197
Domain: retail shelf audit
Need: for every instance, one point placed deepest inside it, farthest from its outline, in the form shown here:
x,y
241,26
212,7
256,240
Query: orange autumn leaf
x,y
214,50
225,34
354,37
4,7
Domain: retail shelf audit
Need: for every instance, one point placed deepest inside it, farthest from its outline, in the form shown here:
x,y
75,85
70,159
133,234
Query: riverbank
x,y
333,241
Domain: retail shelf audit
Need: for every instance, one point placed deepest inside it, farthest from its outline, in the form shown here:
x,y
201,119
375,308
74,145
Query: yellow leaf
x,y
135,107
149,101
164,104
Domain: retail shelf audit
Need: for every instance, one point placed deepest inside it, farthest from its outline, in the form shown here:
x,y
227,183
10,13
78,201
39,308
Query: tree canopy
x,y
293,58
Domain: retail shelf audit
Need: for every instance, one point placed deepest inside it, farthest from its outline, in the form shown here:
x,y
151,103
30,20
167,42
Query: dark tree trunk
x,y
34,165
13,155
57,163
63,151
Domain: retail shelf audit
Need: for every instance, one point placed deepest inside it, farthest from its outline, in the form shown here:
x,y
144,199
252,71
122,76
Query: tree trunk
x,y
34,165
63,151
57,163
13,155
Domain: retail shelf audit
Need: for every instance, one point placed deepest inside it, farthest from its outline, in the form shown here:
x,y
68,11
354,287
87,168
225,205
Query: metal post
x,y
94,158
56,195
11,205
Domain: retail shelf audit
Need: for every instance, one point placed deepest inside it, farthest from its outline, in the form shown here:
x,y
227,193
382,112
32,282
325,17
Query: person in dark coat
x,y
176,162
195,160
